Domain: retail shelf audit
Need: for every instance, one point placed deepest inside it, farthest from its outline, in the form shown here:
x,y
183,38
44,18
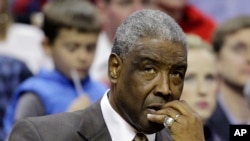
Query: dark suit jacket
x,y
84,125
219,123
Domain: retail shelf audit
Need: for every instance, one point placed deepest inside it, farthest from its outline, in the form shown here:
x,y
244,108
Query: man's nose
x,y
162,86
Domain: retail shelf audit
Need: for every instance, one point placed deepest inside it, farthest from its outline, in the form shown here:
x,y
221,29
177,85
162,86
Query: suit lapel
x,y
92,126
163,135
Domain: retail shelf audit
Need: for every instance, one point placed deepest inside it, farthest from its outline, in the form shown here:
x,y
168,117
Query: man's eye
x,y
149,70
177,74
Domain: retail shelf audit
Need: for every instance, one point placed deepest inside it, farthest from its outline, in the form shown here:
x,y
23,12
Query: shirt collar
x,y
230,118
119,129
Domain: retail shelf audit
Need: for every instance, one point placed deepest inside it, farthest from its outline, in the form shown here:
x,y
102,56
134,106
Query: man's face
x,y
200,82
234,58
151,75
117,10
73,50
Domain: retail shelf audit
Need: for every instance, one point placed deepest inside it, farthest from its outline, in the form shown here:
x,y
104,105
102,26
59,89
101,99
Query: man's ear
x,y
114,67
46,46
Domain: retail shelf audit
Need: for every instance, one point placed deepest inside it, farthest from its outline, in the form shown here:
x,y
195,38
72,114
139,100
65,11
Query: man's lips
x,y
152,108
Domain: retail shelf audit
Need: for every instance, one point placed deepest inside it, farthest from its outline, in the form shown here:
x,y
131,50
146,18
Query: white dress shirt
x,y
118,128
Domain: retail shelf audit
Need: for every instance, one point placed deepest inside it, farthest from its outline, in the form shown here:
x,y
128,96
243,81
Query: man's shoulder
x,y
68,119
62,127
63,119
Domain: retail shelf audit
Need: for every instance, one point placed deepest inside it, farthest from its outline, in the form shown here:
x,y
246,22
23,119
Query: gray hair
x,y
146,24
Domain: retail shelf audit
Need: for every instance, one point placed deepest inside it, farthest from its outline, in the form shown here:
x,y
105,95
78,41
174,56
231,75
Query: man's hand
x,y
186,127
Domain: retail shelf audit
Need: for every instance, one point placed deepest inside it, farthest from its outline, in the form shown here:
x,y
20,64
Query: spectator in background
x,y
71,29
112,13
189,18
23,40
221,10
12,71
201,81
25,11
4,19
232,46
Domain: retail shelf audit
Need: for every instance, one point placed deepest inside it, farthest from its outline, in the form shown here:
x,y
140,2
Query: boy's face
x,y
73,50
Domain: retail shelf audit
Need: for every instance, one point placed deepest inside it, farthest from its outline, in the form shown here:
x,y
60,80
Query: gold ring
x,y
176,116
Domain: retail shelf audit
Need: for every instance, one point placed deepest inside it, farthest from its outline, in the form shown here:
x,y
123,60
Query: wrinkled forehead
x,y
158,50
155,44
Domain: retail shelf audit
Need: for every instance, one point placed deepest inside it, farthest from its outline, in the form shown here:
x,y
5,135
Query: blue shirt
x,y
12,73
55,92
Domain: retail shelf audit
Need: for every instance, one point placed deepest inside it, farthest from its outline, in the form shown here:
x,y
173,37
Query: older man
x,y
146,70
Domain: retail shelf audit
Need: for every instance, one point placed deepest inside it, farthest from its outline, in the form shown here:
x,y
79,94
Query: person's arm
x,y
24,131
28,105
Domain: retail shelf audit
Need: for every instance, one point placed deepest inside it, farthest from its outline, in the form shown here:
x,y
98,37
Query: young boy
x,y
71,28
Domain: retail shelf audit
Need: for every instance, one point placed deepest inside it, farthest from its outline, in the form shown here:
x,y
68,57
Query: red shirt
x,y
196,23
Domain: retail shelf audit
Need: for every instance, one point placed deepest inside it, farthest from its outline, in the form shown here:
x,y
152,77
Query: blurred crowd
x,y
55,59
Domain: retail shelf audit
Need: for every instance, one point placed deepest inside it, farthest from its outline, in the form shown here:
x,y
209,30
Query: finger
x,y
156,118
169,112
181,106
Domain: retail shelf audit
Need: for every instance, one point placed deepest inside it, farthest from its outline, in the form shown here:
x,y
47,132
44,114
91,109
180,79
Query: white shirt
x,y
230,117
24,42
118,128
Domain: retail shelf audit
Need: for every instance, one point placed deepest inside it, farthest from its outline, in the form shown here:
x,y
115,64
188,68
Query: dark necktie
x,y
140,137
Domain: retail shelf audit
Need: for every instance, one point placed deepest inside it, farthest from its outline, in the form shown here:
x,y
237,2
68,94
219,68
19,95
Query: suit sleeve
x,y
24,130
